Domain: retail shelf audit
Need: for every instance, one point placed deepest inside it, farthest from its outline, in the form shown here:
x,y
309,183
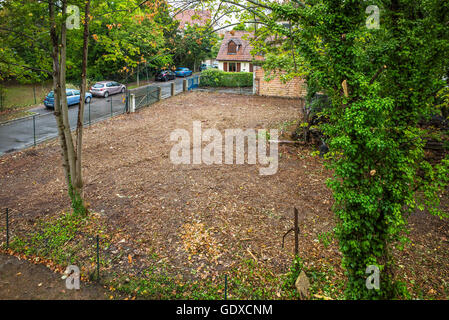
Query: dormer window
x,y
232,47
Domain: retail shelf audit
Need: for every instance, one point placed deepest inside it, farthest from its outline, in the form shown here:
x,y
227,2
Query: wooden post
x,y
172,89
184,85
159,92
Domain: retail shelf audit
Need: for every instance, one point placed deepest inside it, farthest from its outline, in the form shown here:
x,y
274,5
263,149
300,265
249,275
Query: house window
x,y
232,67
232,47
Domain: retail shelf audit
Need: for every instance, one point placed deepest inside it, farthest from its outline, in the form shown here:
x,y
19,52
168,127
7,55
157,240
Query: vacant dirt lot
x,y
199,219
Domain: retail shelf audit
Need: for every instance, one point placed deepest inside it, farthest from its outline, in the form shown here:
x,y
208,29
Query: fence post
x,y
89,112
159,92
184,85
111,107
148,96
7,228
296,232
34,93
172,89
132,103
34,129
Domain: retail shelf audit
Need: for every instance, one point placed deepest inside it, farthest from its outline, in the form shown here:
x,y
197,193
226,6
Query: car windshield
x,y
180,69
51,94
98,85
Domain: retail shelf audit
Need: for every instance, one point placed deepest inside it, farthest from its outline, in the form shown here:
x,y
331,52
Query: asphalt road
x,y
25,132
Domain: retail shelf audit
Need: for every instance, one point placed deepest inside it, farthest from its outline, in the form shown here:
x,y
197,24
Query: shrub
x,y
219,78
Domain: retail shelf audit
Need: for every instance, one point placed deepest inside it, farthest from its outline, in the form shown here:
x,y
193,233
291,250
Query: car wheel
x,y
88,99
106,94
123,90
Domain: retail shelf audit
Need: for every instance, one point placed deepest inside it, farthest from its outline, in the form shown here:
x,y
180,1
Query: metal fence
x,y
193,82
67,240
59,239
26,132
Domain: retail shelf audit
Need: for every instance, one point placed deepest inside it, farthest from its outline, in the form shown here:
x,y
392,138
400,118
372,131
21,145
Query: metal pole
x,y
111,107
7,228
34,93
89,112
296,233
34,129
98,258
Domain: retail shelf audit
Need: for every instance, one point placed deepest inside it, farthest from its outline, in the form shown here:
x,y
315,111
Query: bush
x,y
219,78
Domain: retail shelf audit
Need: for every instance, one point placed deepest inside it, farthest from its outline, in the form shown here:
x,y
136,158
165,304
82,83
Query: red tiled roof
x,y
191,17
241,38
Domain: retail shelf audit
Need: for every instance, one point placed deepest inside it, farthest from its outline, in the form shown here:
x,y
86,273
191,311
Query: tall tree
x,y
381,83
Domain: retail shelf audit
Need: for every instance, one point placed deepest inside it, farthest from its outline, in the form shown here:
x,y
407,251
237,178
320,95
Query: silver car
x,y
106,88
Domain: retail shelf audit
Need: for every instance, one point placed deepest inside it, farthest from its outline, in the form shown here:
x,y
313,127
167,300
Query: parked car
x,y
73,97
215,65
106,88
205,67
183,72
165,75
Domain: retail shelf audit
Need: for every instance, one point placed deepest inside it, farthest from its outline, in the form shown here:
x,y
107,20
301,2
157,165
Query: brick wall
x,y
295,88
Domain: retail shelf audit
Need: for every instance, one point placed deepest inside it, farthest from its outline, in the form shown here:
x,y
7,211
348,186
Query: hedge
x,y
219,78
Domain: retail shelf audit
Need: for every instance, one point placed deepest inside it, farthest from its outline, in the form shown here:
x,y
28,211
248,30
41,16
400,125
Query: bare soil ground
x,y
204,220
20,279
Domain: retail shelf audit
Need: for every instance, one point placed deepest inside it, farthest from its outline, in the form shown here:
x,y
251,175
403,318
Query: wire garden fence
x,y
66,240
63,240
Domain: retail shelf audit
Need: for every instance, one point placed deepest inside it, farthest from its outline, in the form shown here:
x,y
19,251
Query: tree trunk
x,y
64,107
78,183
57,91
71,163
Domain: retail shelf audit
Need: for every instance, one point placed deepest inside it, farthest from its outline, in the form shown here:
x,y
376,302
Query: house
x,y
235,56
235,52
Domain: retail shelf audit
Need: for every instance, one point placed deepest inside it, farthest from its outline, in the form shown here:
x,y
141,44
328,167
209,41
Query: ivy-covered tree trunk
x,y
381,83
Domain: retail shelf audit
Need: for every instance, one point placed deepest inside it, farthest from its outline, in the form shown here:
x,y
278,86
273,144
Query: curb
x,y
18,119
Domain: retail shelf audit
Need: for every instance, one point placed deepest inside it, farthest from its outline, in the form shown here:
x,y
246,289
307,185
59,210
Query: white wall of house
x,y
243,65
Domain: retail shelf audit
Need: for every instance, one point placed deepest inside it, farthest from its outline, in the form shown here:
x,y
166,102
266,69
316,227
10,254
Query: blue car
x,y
183,72
73,97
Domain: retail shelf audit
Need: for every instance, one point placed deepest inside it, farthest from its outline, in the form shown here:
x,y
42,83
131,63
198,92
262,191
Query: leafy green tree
x,y
193,45
381,83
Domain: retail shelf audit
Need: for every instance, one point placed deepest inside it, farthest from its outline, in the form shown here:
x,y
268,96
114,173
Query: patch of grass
x,y
51,240
64,241
323,281
326,238
21,95
159,284
289,279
